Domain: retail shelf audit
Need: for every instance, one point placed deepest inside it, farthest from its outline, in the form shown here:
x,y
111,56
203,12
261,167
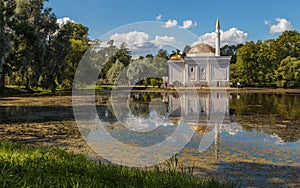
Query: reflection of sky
x,y
259,138
234,132
254,146
232,128
233,139
153,121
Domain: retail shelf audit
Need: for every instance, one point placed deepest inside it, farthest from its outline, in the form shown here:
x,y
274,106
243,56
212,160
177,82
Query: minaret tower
x,y
218,38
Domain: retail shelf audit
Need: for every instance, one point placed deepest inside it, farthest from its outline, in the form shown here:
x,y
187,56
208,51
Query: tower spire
x,y
218,38
218,24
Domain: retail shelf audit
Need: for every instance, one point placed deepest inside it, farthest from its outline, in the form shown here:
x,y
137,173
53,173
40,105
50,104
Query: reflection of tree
x,y
104,108
175,95
139,103
269,113
138,108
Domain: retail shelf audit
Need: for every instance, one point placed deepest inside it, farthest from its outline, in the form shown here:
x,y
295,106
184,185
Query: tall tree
x,y
79,42
7,8
58,48
247,65
34,29
228,50
113,54
289,73
163,54
267,63
288,44
140,69
114,72
161,66
80,32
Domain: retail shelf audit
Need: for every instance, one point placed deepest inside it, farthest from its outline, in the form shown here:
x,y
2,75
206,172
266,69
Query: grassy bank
x,y
12,90
26,166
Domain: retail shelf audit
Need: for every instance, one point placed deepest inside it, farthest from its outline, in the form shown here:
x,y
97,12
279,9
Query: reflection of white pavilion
x,y
205,113
199,108
202,67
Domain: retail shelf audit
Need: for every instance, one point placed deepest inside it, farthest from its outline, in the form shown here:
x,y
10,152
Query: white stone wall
x,y
201,71
176,73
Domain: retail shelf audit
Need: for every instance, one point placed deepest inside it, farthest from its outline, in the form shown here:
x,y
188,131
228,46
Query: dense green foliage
x,y
272,63
37,51
24,166
7,8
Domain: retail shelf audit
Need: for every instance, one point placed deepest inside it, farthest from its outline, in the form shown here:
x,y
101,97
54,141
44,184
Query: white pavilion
x,y
202,67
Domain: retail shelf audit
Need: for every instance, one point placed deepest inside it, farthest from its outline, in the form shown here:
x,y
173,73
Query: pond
x,y
252,139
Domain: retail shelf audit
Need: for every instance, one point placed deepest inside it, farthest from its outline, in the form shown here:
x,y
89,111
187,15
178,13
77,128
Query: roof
x,y
201,50
176,57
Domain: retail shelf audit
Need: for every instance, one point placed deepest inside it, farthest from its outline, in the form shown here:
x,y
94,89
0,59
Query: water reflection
x,y
145,112
258,138
148,119
142,114
161,124
274,114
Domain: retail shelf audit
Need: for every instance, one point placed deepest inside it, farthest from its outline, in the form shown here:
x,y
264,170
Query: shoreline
x,y
252,90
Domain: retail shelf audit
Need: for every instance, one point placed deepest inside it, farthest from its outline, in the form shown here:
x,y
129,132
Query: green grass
x,y
13,90
27,166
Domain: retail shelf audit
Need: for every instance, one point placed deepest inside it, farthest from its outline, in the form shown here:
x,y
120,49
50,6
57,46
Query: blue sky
x,y
240,20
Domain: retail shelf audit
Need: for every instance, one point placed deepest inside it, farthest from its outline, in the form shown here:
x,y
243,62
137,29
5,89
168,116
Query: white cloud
x,y
161,41
281,25
158,17
65,20
233,36
140,43
135,39
171,23
188,24
132,39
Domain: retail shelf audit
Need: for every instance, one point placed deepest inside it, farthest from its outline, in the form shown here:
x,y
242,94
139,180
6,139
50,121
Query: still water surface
x,y
257,143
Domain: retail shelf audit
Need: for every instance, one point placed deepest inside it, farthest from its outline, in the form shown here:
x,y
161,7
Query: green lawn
x,y
27,166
